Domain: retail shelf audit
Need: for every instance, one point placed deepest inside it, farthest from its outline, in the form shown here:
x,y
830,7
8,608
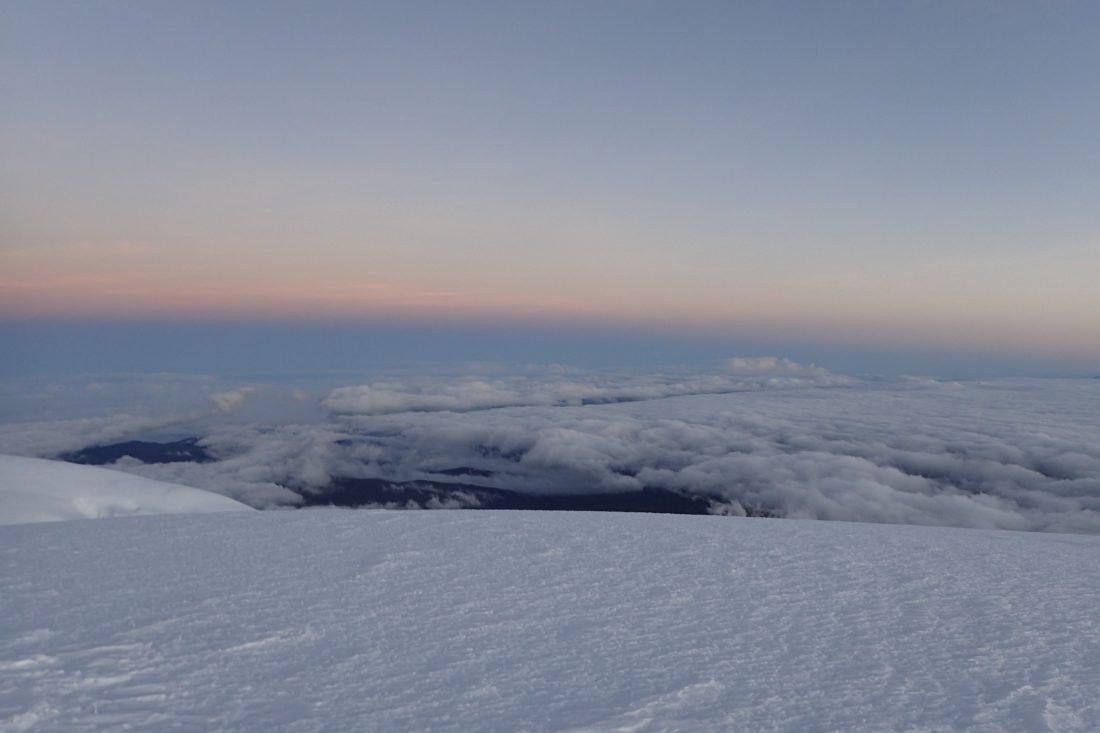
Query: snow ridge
x,y
37,490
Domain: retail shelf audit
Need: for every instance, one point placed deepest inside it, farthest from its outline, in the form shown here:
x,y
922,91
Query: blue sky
x,y
870,183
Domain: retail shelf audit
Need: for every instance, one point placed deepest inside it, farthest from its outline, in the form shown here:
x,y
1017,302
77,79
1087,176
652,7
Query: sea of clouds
x,y
761,435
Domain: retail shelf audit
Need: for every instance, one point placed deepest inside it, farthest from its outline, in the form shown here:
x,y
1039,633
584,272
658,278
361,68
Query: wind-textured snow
x,y
339,620
36,490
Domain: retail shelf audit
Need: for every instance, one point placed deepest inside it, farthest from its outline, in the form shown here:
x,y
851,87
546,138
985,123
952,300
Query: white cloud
x,y
1018,454
469,394
232,399
771,365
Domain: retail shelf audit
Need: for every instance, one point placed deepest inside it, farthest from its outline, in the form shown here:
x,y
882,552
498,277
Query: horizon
x,y
254,348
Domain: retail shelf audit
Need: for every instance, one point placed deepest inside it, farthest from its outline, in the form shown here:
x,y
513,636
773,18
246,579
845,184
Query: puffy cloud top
x,y
771,365
787,440
469,394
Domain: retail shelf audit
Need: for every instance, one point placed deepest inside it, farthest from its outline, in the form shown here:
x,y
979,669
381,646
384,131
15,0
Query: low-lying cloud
x,y
232,399
471,394
772,365
765,436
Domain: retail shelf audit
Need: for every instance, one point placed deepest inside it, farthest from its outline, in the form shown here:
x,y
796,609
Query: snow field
x,y
339,620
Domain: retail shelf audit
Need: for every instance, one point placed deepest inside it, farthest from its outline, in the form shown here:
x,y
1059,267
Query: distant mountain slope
x,y
37,490
338,620
178,451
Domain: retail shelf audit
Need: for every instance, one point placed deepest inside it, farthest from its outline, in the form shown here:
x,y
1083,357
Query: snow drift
x,y
36,490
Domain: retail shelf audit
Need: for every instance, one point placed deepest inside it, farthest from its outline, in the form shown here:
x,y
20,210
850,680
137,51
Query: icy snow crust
x,y
338,620
36,490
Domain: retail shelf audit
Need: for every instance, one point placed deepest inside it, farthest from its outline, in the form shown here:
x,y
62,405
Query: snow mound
x,y
37,490
339,620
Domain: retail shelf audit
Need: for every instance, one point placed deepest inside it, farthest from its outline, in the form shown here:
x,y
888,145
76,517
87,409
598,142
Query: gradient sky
x,y
908,176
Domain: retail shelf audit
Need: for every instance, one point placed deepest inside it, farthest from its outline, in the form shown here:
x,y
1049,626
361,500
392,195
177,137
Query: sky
x,y
903,187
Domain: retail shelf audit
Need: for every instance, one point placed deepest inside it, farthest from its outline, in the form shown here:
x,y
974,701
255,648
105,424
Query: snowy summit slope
x,y
337,620
36,490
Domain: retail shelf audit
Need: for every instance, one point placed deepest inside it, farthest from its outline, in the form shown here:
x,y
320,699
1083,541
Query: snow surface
x,y
36,490
339,620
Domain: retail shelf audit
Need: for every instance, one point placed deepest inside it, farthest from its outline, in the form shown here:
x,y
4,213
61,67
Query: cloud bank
x,y
471,394
785,440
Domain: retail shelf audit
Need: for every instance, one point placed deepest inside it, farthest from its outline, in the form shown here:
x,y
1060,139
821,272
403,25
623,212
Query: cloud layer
x,y
470,394
793,441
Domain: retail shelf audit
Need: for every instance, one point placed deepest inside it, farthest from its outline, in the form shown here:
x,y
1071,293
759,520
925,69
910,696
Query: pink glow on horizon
x,y
138,297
